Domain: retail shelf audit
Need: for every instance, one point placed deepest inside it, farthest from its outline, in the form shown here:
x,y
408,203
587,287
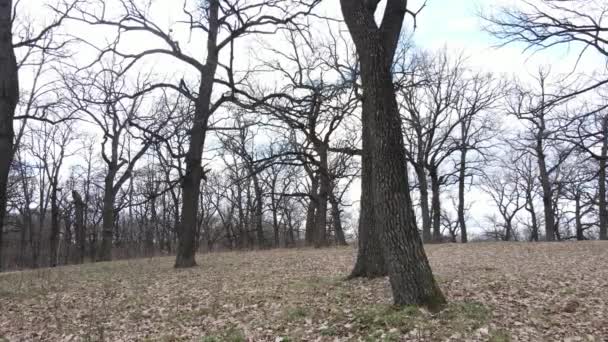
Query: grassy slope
x,y
497,292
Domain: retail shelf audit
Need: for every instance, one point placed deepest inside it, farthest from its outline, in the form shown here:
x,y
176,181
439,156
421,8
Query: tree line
x,y
140,144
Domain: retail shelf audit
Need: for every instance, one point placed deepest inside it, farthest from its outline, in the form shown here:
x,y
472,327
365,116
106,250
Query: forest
x,y
214,133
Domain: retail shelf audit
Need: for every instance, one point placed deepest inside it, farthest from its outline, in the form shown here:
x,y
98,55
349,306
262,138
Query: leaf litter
x,y
497,292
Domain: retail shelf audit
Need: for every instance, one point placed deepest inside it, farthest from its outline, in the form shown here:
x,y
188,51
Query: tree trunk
x,y
546,186
461,185
532,211
311,211
410,274
424,202
108,217
337,221
370,261
258,216
68,237
9,96
186,234
603,211
275,225
79,228
436,205
508,229
578,217
54,238
322,199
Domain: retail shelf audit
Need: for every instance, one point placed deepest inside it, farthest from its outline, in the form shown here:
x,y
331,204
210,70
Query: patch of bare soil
x,y
497,292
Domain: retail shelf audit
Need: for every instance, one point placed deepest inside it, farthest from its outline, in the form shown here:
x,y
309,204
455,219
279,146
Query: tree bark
x,y
545,182
530,208
186,247
410,275
108,217
461,187
508,229
436,205
258,216
311,211
370,261
578,217
322,199
54,238
337,221
79,229
424,202
9,96
603,211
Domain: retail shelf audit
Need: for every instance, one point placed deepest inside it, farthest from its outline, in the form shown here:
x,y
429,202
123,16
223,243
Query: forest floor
x,y
497,292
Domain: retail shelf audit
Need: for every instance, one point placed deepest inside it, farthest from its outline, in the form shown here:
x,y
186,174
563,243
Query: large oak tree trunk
x,y
186,232
370,261
9,96
191,182
410,274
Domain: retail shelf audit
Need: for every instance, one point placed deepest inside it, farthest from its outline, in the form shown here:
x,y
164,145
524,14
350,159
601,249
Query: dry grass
x,y
497,292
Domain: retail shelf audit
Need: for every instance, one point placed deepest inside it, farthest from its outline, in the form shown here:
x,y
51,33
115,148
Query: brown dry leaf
x,y
497,292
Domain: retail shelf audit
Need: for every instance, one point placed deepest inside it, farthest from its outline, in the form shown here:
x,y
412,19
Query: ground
x,y
497,292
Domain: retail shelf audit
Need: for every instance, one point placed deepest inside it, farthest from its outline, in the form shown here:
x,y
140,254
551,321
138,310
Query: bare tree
x,y
545,24
27,39
502,188
410,274
106,100
224,23
586,128
533,108
9,96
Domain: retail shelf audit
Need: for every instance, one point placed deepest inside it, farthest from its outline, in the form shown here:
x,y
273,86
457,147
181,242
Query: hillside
x,y
497,292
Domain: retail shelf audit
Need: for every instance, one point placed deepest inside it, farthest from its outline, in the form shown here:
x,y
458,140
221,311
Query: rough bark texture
x,y
370,261
410,274
9,96
191,182
603,211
